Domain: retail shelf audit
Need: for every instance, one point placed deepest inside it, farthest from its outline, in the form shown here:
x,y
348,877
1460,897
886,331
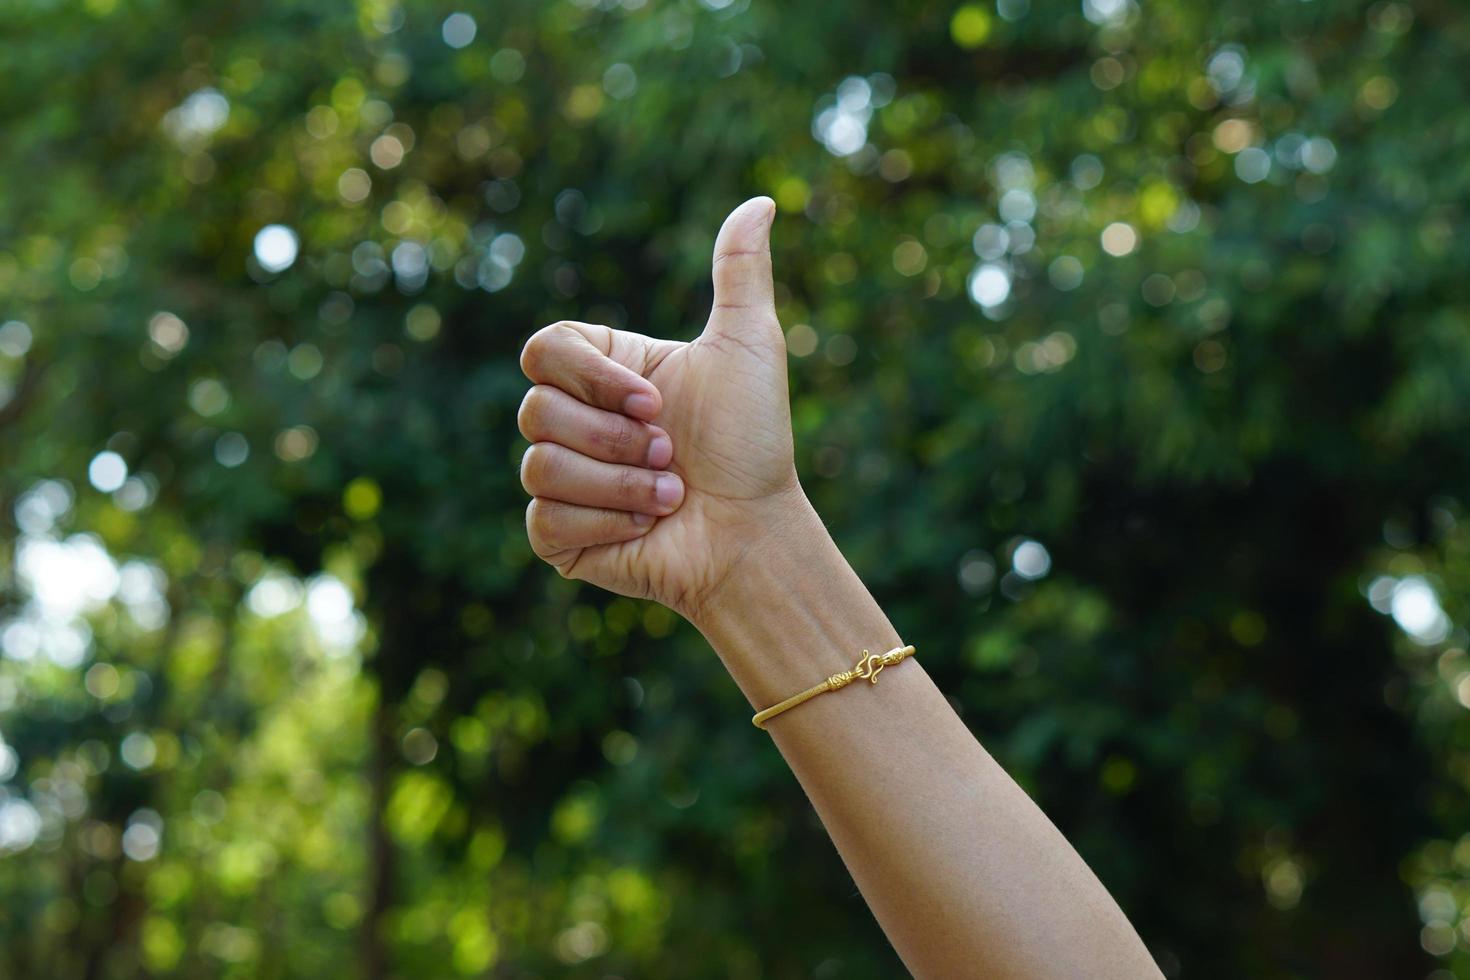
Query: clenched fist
x,y
656,466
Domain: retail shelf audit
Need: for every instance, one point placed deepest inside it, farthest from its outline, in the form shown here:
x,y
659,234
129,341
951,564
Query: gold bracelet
x,y
868,668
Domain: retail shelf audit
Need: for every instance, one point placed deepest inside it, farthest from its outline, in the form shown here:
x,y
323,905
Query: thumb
x,y
742,263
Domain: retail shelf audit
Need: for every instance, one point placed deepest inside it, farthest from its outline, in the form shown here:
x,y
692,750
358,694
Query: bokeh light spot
x,y
1119,239
362,498
275,248
168,333
15,338
458,30
107,471
990,284
970,26
620,81
1031,560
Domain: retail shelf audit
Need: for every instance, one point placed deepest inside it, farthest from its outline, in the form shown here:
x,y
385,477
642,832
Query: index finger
x,y
565,357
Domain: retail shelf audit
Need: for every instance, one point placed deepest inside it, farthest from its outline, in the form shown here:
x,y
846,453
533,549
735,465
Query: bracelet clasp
x,y
870,666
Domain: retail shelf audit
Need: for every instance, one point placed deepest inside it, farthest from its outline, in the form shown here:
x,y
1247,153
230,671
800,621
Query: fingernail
x,y
668,490
643,520
660,451
640,406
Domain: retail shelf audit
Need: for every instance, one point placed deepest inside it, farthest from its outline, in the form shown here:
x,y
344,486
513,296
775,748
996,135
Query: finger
x,y
742,263
563,355
550,470
549,414
555,528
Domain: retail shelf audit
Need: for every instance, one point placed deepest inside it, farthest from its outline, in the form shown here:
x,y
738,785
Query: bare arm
x,y
967,877
665,470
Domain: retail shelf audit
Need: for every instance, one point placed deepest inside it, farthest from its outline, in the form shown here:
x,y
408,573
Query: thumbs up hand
x,y
657,466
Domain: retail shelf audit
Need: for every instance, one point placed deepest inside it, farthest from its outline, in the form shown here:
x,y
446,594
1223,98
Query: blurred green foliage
x,y
1174,290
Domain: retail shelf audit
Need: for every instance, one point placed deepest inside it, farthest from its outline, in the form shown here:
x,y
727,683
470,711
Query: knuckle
x,y
538,529
539,524
533,355
536,525
526,414
531,416
538,467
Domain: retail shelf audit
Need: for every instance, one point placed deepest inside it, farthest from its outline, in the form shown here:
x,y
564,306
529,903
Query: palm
x,y
725,407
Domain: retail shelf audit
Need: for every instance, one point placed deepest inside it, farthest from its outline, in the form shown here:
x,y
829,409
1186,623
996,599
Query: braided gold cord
x,y
868,667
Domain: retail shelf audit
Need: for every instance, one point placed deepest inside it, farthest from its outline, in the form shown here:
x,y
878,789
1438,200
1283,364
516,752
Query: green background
x,y
1176,290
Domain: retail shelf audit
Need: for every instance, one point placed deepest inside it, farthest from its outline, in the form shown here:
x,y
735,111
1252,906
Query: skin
x,y
664,470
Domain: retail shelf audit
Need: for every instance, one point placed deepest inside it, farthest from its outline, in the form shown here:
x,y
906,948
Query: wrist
x,y
790,610
767,550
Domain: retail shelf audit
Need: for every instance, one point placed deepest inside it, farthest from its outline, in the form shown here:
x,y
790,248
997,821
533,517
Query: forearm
x,y
964,873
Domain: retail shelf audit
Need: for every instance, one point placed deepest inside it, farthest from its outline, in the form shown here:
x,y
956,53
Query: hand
x,y
656,466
